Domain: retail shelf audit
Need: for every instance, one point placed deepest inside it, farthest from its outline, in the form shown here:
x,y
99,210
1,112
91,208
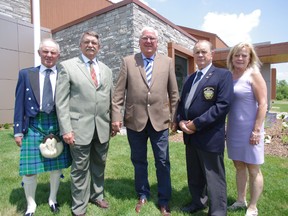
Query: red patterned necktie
x,y
93,73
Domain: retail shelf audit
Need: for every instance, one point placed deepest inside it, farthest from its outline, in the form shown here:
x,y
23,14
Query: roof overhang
x,y
268,53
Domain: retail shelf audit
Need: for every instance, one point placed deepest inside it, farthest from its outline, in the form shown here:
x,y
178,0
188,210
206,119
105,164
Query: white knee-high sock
x,y
30,185
54,185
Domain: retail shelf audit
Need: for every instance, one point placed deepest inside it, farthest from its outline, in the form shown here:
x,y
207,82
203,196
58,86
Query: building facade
x,y
119,30
118,25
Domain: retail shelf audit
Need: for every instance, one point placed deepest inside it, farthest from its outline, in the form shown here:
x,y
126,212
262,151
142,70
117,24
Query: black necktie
x,y
47,99
198,76
192,91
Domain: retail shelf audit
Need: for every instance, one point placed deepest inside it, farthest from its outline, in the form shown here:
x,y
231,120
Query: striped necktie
x,y
148,69
47,98
93,73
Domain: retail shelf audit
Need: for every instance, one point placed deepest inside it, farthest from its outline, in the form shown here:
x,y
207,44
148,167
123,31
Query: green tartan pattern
x,y
31,160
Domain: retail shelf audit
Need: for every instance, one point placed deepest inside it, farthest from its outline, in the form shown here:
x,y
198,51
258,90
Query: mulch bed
x,y
275,148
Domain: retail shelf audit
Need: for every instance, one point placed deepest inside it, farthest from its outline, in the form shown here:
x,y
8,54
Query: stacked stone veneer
x,y
16,9
119,32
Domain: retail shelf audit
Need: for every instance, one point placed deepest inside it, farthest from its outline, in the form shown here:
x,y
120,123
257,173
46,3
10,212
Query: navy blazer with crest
x,y
27,103
208,109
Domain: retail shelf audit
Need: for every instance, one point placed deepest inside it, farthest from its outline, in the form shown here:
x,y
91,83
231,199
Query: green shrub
x,y
279,96
6,126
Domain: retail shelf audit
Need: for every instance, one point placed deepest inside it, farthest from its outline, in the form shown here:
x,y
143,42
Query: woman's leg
x,y
256,185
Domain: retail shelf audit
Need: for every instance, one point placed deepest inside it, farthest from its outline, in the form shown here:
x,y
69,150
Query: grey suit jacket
x,y
157,103
80,105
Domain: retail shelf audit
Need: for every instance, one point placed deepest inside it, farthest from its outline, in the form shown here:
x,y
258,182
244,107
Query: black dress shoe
x,y
55,208
29,214
192,208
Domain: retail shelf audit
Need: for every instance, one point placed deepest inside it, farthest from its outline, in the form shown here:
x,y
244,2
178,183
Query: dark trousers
x,y
206,176
160,147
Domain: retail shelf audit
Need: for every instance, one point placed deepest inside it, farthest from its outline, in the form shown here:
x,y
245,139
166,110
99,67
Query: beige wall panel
x,y
6,116
9,64
9,36
26,37
25,60
7,99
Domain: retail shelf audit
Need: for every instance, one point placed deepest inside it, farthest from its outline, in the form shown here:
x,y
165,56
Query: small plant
x,y
6,126
285,139
276,129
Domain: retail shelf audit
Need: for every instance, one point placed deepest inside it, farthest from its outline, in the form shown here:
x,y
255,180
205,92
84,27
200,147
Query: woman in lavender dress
x,y
245,128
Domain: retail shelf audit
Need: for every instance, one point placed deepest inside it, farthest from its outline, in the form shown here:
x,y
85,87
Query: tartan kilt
x,y
31,160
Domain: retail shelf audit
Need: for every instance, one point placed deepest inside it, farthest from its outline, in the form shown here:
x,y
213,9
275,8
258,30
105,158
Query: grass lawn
x,y
119,184
279,106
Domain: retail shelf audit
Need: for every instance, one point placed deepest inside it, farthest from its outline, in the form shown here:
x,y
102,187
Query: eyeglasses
x,y
152,39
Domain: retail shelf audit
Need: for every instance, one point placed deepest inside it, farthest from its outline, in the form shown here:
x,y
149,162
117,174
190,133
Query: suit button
x,y
32,108
148,105
29,98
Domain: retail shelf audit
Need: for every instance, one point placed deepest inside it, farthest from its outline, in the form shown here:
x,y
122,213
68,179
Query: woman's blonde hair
x,y
254,60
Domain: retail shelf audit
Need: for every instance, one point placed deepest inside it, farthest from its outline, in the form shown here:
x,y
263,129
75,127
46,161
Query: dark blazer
x,y
27,93
208,109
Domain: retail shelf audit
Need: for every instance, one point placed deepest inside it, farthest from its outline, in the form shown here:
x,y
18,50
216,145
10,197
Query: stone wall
x,y
119,32
16,9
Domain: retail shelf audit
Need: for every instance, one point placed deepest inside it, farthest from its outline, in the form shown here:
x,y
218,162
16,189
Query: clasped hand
x,y
116,126
187,126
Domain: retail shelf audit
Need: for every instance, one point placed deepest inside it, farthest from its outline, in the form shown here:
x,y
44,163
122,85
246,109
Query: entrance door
x,y
181,70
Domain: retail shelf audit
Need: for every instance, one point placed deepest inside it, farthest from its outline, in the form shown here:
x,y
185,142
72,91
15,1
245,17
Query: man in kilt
x,y
35,118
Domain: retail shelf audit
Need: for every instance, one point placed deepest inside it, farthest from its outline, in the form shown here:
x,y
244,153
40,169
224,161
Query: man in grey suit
x,y
83,102
150,103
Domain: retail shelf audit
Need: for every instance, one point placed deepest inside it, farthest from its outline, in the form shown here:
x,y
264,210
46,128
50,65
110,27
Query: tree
x,y
281,90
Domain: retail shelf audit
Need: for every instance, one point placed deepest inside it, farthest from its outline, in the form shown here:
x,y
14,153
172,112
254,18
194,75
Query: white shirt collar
x,y
204,70
86,60
43,68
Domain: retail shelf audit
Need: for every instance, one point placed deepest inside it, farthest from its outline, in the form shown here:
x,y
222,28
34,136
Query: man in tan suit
x,y
149,106
83,102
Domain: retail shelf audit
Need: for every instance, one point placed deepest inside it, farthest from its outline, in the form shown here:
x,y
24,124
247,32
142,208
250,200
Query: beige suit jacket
x,y
80,105
157,103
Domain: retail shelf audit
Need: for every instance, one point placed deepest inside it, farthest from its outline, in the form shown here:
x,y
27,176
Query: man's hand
x,y
183,125
18,140
116,126
191,125
173,127
69,138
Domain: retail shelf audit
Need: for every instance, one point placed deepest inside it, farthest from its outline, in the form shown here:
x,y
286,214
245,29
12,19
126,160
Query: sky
x,y
256,21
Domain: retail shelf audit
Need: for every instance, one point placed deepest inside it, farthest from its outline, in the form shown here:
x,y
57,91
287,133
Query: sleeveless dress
x,y
241,119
